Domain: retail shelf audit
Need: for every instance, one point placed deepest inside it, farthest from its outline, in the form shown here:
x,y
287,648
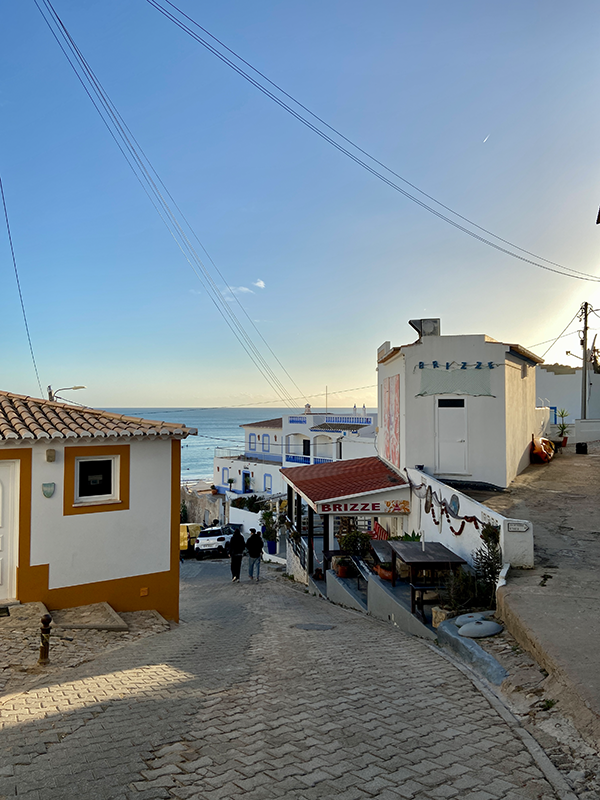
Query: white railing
x,y
229,452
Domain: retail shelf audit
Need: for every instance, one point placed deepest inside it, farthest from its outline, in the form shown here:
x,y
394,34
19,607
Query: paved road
x,y
241,702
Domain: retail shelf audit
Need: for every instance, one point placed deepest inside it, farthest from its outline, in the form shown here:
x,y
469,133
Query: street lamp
x,y
53,394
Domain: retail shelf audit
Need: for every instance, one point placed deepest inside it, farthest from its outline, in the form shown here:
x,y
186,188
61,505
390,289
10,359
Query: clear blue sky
x,y
345,260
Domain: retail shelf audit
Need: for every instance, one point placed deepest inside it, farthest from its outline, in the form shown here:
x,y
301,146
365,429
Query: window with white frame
x,y
252,441
268,484
97,479
266,443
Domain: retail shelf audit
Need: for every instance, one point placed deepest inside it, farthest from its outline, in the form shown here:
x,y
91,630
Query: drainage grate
x,y
313,626
4,612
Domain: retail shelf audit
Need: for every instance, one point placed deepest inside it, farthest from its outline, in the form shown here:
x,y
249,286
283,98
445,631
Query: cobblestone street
x,y
263,692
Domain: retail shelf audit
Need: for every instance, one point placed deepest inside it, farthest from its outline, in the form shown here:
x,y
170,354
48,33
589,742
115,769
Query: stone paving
x,y
77,641
239,701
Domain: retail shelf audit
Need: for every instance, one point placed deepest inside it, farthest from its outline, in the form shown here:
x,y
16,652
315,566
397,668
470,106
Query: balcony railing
x,y
229,452
297,420
298,459
321,460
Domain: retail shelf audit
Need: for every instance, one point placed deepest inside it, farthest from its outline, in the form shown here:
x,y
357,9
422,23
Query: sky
x,y
492,109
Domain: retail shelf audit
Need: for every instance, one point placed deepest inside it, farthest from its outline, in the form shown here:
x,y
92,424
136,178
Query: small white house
x,y
89,507
289,441
461,408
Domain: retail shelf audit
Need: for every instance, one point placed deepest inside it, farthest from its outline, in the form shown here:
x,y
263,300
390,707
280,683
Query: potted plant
x,y
563,427
269,532
230,481
343,566
384,570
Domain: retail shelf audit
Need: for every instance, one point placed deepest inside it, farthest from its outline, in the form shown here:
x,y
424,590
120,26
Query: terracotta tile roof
x,y
337,479
268,423
25,418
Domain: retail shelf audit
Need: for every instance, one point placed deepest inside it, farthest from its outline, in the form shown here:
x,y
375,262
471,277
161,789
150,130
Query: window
x,y
451,403
268,484
266,443
306,447
225,476
252,441
96,479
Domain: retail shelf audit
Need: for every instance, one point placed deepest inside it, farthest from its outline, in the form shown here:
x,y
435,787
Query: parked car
x,y
213,541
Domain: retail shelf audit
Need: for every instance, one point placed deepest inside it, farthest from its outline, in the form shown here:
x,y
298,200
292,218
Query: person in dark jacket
x,y
237,545
254,546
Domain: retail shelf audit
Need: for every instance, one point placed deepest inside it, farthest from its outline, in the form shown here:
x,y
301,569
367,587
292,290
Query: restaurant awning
x,y
358,487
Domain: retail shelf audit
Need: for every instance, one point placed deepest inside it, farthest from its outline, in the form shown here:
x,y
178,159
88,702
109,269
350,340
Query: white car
x,y
213,541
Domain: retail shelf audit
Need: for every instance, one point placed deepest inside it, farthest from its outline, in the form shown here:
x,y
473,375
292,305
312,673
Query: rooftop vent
x,y
426,327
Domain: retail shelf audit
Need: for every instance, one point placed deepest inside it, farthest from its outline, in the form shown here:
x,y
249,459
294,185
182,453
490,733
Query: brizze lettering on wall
x,y
385,507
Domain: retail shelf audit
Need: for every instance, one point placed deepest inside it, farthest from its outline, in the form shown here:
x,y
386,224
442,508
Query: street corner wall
x,y
202,508
458,534
126,557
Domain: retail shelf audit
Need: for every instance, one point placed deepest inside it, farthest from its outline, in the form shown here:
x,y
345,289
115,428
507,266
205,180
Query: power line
x,y
560,334
556,267
144,172
14,260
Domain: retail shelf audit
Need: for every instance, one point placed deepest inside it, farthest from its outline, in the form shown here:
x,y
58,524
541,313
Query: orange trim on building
x,y
71,454
24,457
159,590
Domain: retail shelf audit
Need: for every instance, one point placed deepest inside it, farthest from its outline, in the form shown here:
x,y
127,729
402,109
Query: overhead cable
x,y
14,260
560,334
148,179
557,268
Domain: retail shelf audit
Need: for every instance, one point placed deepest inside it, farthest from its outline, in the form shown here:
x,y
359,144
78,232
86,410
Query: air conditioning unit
x,y
426,327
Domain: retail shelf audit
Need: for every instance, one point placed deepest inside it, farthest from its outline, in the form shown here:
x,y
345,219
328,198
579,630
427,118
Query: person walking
x,y
255,548
237,545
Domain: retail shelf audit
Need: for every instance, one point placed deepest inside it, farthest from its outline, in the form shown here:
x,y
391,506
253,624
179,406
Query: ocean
x,y
217,427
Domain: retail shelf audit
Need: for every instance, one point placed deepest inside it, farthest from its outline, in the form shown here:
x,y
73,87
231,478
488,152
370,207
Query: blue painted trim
x,y
266,443
252,441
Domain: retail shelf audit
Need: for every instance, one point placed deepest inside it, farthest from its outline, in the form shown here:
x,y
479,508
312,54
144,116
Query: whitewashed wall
x,y
517,546
85,548
258,471
499,427
560,386
246,518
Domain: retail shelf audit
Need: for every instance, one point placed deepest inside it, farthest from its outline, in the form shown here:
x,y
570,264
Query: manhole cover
x,y
313,626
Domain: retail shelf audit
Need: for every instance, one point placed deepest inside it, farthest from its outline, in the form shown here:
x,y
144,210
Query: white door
x,y
8,529
451,430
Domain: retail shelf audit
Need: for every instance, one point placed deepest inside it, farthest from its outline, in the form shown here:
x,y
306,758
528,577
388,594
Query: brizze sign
x,y
381,507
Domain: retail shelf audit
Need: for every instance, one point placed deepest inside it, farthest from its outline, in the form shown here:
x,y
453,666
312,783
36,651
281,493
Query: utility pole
x,y
583,315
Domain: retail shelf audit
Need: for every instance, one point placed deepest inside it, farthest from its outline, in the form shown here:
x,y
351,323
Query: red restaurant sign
x,y
380,507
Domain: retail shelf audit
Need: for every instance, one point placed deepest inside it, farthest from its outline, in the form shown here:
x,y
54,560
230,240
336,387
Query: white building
x,y
296,439
89,507
461,408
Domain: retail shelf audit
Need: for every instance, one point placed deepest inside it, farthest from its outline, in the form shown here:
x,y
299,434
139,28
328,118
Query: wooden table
x,y
431,556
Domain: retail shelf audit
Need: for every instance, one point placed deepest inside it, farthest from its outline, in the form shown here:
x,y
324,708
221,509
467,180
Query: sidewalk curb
x,y
551,773
471,653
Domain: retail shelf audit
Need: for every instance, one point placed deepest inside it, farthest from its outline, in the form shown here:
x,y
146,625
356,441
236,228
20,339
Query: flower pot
x,y
271,547
343,571
384,574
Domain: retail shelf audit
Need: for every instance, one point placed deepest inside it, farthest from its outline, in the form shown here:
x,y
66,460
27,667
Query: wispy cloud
x,y
229,293
259,283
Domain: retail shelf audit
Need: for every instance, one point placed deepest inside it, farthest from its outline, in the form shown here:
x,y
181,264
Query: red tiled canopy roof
x,y
337,479
30,418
